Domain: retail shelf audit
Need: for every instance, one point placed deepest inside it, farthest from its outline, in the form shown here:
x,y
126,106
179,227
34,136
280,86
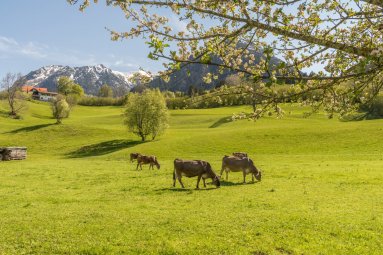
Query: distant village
x,y
41,94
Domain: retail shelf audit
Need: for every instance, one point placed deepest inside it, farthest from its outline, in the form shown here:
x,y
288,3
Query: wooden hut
x,y
13,153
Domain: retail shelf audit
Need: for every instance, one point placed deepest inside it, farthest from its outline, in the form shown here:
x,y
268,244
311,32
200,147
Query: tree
x,y
60,108
146,114
345,37
105,91
66,86
192,91
12,83
72,91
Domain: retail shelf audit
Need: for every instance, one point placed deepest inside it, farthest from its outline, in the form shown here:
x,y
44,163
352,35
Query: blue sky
x,y
36,33
48,32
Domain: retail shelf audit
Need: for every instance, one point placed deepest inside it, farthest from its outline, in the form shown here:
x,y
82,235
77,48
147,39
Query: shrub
x,y
374,109
102,101
60,108
3,95
177,102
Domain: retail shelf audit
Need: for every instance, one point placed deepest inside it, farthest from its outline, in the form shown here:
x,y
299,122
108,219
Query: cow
x,y
151,160
244,165
240,154
134,156
192,168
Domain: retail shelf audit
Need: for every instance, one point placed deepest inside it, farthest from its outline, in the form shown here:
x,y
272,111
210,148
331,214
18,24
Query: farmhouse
x,y
41,94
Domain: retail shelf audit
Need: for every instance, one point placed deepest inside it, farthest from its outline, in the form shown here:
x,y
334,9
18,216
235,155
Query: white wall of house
x,y
46,98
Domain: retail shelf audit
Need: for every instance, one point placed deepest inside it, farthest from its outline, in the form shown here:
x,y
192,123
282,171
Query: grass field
x,y
321,192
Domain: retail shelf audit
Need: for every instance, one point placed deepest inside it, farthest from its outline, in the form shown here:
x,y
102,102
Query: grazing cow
x,y
151,160
134,156
192,168
245,165
240,154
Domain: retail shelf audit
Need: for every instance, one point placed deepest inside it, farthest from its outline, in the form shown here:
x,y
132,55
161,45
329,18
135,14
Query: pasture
x,y
77,193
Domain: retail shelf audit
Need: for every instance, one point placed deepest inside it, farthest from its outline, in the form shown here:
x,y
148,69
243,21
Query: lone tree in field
x,y
344,37
72,91
12,83
60,108
105,91
146,114
66,86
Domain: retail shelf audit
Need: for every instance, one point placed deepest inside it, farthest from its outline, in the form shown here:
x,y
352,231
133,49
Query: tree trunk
x,y
254,105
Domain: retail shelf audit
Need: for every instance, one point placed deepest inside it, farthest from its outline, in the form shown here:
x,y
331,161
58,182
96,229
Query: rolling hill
x,y
77,193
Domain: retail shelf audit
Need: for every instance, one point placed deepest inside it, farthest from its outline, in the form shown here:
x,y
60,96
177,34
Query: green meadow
x,y
77,193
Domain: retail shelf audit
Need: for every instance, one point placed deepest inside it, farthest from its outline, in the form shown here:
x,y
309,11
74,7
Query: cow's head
x,y
157,165
134,156
256,172
258,175
216,181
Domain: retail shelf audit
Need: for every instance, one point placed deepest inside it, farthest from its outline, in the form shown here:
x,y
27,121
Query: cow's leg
x,y
141,166
179,180
137,165
174,178
227,175
198,180
204,182
252,177
244,176
150,166
222,169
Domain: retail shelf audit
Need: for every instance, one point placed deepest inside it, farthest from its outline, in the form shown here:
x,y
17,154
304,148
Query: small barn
x,y
13,153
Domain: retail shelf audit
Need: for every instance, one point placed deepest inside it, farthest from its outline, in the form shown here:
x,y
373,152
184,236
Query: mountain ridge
x,y
91,78
192,75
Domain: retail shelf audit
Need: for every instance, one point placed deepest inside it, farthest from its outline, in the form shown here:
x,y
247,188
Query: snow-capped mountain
x,y
91,78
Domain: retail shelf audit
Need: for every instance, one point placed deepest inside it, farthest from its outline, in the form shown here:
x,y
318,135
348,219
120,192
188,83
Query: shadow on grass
x,y
228,183
102,148
354,117
361,116
189,190
29,129
220,122
4,113
42,116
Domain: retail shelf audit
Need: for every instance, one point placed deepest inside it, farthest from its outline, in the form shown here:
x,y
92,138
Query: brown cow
x,y
134,156
240,154
151,160
244,165
192,168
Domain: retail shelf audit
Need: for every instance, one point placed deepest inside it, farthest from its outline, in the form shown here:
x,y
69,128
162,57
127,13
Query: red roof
x,y
27,88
